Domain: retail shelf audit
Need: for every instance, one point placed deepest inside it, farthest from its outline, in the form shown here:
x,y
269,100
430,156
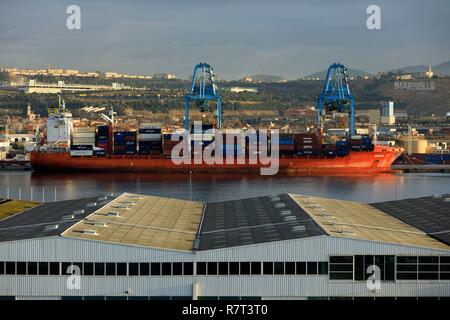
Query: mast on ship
x,y
110,117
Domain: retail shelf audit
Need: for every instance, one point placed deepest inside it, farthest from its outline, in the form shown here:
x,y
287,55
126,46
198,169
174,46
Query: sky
x,y
290,38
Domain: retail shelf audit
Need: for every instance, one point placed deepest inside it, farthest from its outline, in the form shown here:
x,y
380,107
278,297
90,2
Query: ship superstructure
x,y
59,125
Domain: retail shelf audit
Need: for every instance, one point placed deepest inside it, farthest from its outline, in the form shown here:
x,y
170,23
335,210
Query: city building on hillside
x,y
164,76
243,89
34,86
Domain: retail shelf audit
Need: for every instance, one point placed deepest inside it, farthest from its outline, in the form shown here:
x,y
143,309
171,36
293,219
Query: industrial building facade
x,y
276,247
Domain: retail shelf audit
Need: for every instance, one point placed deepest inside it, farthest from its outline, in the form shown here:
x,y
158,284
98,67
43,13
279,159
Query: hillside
x,y
266,78
351,72
442,68
368,93
164,96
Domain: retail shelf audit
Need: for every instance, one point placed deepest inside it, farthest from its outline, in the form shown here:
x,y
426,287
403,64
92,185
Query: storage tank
x,y
415,145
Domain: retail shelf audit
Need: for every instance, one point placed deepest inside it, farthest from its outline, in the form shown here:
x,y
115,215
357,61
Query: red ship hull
x,y
377,161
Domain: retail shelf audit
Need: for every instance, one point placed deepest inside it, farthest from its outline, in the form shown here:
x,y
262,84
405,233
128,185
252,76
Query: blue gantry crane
x,y
336,96
203,90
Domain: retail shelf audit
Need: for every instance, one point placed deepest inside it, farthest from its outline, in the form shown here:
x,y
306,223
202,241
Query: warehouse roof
x,y
355,220
143,220
48,219
429,214
188,225
10,207
255,220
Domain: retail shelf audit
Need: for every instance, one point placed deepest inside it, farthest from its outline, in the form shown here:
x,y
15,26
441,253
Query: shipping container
x,y
81,153
83,135
286,147
328,146
150,125
307,152
150,136
83,141
283,141
104,132
84,130
82,147
342,152
149,131
341,144
99,153
330,153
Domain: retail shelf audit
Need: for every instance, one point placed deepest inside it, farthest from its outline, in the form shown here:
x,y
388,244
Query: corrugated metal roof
x,y
429,214
187,225
47,219
143,220
254,220
362,221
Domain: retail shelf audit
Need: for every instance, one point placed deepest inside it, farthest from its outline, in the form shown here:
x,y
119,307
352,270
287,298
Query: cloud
x,y
288,38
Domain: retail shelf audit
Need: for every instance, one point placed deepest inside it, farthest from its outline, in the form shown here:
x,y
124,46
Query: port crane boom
x,y
336,96
203,90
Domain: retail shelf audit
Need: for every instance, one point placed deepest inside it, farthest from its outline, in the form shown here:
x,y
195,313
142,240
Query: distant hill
x,y
265,78
442,68
351,72
410,69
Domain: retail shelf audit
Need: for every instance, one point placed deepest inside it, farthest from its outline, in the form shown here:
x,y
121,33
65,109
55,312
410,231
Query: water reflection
x,y
203,187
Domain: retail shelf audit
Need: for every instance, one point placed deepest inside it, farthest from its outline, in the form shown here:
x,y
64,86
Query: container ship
x,y
149,149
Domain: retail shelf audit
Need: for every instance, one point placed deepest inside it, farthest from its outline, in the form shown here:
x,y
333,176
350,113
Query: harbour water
x,y
372,188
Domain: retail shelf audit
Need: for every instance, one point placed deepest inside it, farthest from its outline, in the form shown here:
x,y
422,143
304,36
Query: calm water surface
x,y
220,187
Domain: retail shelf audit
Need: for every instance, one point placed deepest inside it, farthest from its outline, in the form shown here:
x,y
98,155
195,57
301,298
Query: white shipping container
x,y
84,130
84,135
81,140
79,153
150,137
83,144
151,125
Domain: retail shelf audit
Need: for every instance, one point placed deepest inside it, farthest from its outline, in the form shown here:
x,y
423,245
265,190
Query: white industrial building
x,y
387,115
275,247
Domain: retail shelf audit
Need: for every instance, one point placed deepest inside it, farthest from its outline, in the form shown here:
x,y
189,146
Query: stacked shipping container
x,y
307,144
361,143
83,136
150,139
125,143
104,137
342,148
82,150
